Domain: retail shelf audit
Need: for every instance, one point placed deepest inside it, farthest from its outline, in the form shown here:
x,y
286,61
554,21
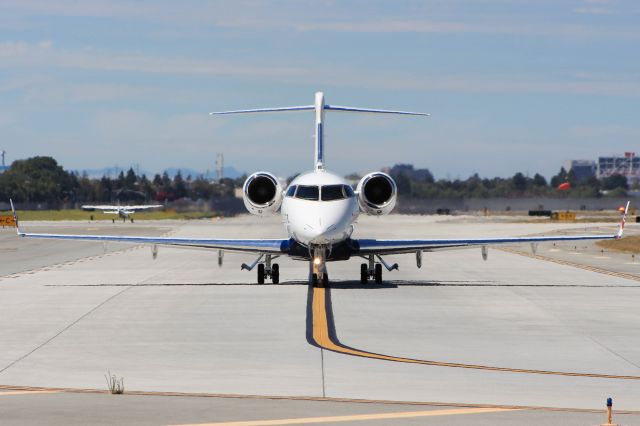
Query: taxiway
x,y
549,332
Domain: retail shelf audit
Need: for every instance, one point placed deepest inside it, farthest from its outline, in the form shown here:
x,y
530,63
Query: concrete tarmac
x,y
182,324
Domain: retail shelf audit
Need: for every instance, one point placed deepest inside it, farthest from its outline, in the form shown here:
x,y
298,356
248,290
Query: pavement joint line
x,y
81,259
315,398
624,275
27,392
323,335
67,327
580,332
355,417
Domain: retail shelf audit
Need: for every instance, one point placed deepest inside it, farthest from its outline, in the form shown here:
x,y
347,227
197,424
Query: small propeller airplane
x,y
319,211
123,212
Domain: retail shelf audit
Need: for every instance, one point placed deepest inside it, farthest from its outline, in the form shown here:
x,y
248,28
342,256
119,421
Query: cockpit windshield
x,y
305,192
325,193
336,192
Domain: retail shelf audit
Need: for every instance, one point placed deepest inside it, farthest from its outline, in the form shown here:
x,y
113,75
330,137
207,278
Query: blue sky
x,y
511,85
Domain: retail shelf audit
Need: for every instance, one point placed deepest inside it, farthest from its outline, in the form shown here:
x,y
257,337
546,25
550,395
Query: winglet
x,y
15,217
622,222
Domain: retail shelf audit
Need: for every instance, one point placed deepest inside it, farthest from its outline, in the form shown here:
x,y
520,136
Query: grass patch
x,y
629,244
115,385
26,215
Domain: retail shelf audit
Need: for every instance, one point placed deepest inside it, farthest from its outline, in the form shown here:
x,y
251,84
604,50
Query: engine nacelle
x,y
262,194
377,194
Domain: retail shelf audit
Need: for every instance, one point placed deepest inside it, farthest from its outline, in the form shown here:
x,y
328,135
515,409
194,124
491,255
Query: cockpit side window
x,y
305,192
291,190
348,191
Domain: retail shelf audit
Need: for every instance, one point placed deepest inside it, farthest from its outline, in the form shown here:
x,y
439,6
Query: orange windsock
x,y
564,186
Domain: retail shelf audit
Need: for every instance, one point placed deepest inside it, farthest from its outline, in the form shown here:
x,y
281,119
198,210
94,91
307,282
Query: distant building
x,y
3,167
627,165
582,169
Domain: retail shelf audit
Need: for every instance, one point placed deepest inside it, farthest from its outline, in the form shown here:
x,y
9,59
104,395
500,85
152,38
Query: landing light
x,y
316,261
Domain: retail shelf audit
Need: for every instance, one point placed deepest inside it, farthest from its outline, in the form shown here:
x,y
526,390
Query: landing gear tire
x,y
113,221
378,273
275,273
325,280
364,273
314,280
131,220
261,273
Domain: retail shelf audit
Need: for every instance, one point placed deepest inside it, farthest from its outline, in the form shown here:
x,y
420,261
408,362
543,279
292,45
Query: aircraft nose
x,y
319,233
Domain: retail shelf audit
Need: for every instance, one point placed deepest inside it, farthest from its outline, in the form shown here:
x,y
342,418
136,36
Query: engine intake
x,y
262,194
377,193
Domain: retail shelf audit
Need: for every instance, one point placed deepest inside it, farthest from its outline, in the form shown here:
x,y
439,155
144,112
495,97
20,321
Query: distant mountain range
x,y
229,172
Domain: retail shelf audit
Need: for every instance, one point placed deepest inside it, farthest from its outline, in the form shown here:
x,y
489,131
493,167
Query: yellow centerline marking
x,y
356,417
26,392
322,338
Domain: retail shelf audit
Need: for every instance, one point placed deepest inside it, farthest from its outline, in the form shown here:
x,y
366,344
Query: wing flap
x,y
374,246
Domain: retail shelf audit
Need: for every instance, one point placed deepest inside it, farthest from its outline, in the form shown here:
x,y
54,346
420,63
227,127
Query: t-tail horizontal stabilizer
x,y
319,107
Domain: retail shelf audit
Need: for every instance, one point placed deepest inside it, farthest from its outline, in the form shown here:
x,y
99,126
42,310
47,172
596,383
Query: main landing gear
x,y
265,268
374,270
273,272
365,273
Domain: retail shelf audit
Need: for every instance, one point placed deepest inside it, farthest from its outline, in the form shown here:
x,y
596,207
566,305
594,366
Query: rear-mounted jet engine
x,y
262,194
377,194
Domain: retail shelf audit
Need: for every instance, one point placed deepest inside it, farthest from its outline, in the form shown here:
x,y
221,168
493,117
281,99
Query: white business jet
x,y
319,210
123,212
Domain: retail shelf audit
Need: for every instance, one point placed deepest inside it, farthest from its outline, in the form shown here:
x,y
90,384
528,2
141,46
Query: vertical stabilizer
x,y
319,137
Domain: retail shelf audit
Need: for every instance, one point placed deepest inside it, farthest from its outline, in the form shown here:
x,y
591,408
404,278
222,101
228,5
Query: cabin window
x,y
308,192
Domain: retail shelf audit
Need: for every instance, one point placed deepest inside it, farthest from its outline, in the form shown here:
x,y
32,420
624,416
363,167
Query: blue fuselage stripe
x,y
320,153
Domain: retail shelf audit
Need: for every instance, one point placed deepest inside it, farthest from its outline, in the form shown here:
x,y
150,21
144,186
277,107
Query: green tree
x,y
37,179
539,180
561,177
615,181
519,182
130,179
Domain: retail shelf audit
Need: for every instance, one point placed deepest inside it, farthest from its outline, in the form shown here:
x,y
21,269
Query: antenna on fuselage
x,y
319,107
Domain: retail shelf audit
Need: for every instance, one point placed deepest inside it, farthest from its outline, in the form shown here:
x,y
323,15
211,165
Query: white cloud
x,y
606,132
593,10
43,54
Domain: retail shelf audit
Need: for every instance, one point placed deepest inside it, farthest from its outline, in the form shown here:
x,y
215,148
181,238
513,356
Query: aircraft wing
x,y
116,208
99,207
136,208
275,246
375,246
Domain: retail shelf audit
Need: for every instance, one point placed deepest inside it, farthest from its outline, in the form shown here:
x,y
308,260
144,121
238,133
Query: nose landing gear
x,y
318,274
